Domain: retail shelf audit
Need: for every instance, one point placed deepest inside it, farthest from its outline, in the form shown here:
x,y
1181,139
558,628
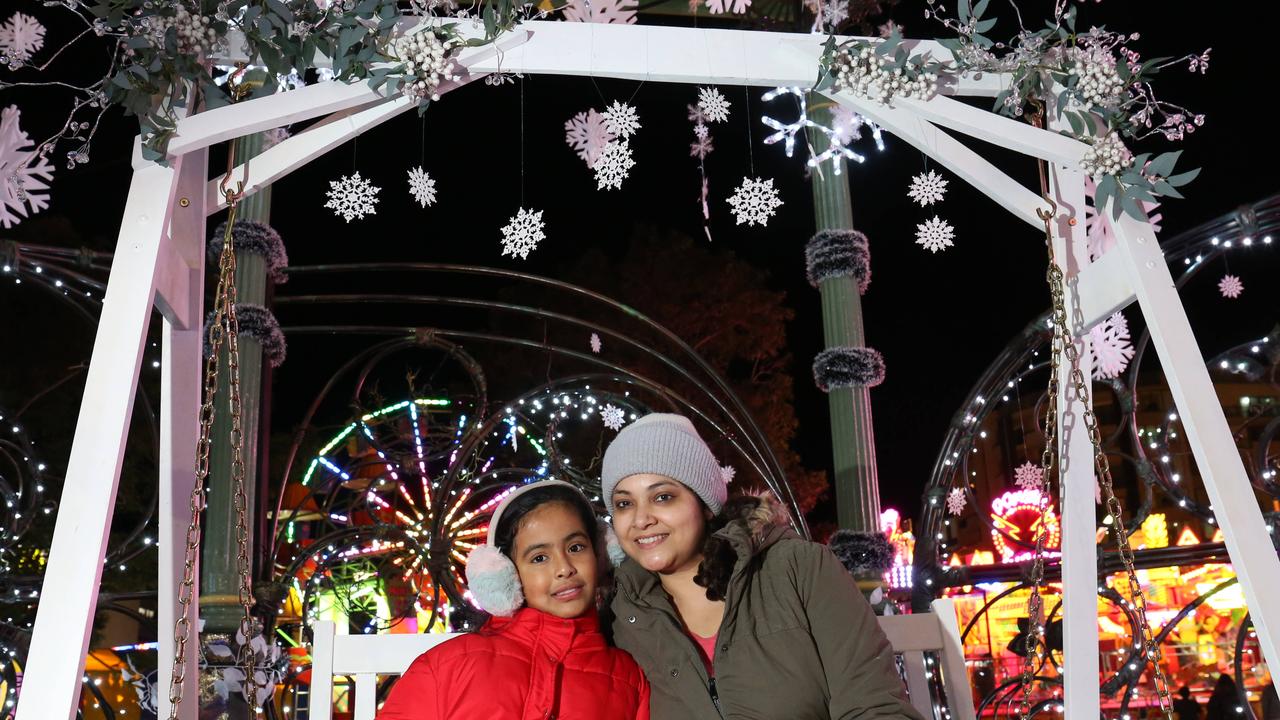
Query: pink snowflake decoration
x,y
1230,286
726,473
588,134
1109,347
21,37
728,6
595,343
617,12
701,147
956,501
1028,476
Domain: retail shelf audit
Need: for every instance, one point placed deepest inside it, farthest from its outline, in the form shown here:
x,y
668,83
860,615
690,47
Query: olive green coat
x,y
798,641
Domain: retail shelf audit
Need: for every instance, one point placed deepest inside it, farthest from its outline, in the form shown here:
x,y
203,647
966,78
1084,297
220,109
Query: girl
x,y
541,654
727,610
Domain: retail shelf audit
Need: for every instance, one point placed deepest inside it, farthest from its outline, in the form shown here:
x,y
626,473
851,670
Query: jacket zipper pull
x,y
715,697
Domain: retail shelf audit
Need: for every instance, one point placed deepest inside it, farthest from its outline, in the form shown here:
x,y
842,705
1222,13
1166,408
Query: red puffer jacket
x,y
531,666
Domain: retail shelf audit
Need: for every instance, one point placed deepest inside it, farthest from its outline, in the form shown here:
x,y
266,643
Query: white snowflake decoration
x,y
612,417
1028,476
20,38
728,6
726,473
522,233
927,188
618,12
1097,225
595,343
352,197
755,201
713,105
621,119
1110,347
935,234
588,134
1230,286
956,501
613,166
827,13
422,186
23,174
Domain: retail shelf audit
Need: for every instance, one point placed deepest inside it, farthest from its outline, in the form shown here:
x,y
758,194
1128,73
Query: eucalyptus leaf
x,y
985,25
1163,188
1163,164
1183,178
980,8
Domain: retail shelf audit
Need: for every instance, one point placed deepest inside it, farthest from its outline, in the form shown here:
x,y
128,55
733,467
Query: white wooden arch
x,y
159,260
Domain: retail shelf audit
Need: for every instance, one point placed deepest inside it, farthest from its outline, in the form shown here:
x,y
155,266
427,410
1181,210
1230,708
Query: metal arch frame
x,y
159,261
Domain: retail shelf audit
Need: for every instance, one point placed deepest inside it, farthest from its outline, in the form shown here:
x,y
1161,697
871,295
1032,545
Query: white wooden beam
x,y
1104,288
64,618
1076,469
265,113
996,129
1233,501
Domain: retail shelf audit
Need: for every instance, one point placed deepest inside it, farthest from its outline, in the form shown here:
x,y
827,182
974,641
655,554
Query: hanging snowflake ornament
x,y
713,105
522,233
422,187
24,175
927,188
1230,286
616,12
595,343
956,501
21,36
701,147
935,234
717,7
612,417
726,473
352,197
613,166
588,134
621,119
1028,476
1109,347
755,201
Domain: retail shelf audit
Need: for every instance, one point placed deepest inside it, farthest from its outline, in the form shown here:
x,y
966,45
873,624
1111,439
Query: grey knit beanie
x,y
664,444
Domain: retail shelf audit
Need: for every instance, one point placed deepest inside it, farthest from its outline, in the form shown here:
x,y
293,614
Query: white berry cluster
x,y
1099,83
1107,156
195,32
428,59
868,74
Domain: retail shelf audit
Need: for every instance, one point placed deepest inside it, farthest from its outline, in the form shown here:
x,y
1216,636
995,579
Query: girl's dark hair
x,y
718,556
509,523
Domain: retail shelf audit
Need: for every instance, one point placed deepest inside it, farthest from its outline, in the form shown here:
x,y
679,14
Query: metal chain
x,y
1062,345
224,327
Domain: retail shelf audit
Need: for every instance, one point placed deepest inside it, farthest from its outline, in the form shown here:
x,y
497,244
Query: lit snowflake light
x,y
621,119
927,188
935,234
1230,286
352,197
613,166
755,201
588,134
726,473
956,501
713,105
522,233
1028,476
595,343
612,417
1110,347
422,187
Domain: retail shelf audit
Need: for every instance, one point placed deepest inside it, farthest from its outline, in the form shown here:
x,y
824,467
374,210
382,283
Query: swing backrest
x,y
362,658
937,632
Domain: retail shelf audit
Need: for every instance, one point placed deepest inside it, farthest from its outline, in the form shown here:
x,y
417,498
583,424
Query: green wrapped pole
x,y
852,433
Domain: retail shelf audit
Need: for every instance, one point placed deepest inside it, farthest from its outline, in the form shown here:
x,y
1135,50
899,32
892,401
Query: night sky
x,y
939,319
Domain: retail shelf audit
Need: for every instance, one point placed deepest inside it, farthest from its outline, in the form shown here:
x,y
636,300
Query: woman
x,y
729,613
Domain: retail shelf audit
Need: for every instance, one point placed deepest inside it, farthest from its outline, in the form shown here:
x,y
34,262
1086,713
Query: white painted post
x,y
1075,450
64,618
1235,506
180,376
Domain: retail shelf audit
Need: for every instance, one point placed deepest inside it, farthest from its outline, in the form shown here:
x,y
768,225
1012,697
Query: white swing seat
x,y
365,657
938,631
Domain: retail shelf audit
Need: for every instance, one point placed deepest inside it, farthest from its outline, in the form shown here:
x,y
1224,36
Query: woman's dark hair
x,y
509,523
718,556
